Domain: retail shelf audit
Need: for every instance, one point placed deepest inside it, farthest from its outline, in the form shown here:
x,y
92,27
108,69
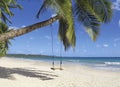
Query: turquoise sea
x,y
106,63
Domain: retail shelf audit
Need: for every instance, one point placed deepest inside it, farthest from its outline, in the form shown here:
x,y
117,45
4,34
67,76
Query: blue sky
x,y
39,41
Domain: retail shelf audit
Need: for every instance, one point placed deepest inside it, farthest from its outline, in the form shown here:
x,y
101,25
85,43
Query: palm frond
x,y
4,45
101,9
52,4
89,20
63,26
4,18
42,8
66,8
5,9
63,8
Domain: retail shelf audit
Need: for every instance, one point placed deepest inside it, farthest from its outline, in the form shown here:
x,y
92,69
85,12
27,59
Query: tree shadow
x,y
7,73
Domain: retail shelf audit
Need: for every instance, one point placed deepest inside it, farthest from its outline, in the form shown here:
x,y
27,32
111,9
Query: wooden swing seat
x,y
57,68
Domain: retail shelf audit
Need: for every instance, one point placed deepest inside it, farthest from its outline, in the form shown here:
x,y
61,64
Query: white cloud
x,y
31,38
23,26
116,5
42,52
105,45
53,15
48,37
15,28
12,27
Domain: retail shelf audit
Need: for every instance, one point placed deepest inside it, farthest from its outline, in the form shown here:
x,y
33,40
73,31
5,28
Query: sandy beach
x,y
28,73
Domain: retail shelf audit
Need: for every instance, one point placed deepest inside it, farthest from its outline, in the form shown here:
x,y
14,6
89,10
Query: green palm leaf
x,y
92,16
102,9
5,9
64,9
63,26
4,45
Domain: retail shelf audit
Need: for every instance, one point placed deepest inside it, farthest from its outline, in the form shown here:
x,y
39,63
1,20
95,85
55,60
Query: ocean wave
x,y
72,60
112,63
100,65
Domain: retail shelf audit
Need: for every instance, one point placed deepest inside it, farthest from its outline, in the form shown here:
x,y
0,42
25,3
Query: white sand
x,y
26,73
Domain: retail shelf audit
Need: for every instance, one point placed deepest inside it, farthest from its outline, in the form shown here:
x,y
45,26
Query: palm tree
x,y
91,13
3,44
5,6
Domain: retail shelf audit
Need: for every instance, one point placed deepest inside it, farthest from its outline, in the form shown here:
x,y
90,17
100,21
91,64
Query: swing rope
x,y
61,57
53,63
52,47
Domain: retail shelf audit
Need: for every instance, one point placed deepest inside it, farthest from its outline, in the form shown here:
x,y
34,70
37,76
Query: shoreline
x,y
106,66
29,73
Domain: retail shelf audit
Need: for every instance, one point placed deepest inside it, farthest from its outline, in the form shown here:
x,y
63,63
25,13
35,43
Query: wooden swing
x,y
53,62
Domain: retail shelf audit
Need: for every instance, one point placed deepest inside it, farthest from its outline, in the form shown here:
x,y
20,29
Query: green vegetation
x,y
30,56
91,13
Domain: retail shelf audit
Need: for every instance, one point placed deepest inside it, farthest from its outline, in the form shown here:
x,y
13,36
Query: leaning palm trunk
x,y
19,32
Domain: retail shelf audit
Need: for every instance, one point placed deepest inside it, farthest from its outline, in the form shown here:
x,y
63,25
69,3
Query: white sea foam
x,y
100,65
73,61
112,63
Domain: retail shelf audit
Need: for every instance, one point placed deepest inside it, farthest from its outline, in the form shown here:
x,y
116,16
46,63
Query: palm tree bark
x,y
21,31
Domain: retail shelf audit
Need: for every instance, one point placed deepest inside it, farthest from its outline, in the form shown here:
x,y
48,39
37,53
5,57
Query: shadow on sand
x,y
7,73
